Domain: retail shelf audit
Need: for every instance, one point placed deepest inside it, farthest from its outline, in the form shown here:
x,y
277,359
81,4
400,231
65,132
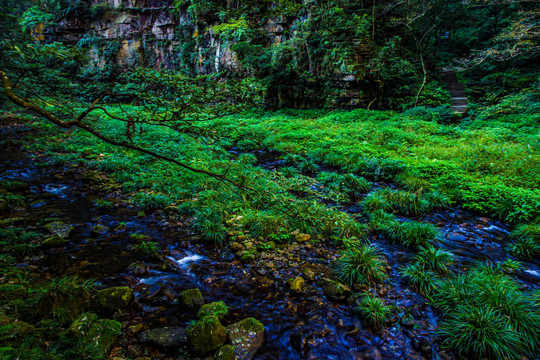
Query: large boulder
x,y
206,336
192,298
166,338
334,290
247,337
94,333
112,299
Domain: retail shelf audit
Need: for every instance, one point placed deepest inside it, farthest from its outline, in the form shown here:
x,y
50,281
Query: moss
x,y
53,241
250,324
112,299
96,334
191,298
247,258
226,352
217,309
206,335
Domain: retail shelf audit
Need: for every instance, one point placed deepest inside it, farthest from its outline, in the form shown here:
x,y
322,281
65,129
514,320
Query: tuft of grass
x,y
349,185
373,310
420,277
147,248
412,234
433,258
361,264
487,316
150,201
526,241
103,204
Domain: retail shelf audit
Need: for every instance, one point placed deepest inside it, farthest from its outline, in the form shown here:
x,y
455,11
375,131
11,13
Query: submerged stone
x,y
334,290
167,337
99,229
192,298
247,337
206,336
112,299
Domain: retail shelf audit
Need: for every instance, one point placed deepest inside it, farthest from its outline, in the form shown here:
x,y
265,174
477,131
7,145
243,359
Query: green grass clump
x,y
405,202
526,241
147,248
373,310
150,201
103,204
350,186
361,264
487,316
413,234
420,277
433,258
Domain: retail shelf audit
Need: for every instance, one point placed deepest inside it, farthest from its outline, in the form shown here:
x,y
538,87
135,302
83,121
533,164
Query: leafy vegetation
x,y
373,310
361,264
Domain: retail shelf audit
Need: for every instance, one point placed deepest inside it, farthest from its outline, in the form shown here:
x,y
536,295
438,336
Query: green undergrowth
x,y
490,162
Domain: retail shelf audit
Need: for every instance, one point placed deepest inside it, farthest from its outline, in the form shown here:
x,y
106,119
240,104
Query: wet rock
x,y
299,342
217,309
99,230
3,205
17,329
407,321
247,258
165,338
133,352
247,336
226,352
206,336
152,292
453,236
297,285
235,247
309,275
53,242
302,237
422,345
112,299
61,229
334,290
99,334
192,298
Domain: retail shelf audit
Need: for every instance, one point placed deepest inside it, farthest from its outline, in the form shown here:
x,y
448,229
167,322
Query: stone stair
x,y
459,102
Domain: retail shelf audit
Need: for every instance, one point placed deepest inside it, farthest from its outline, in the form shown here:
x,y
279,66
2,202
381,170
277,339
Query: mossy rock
x,y
112,299
165,338
247,337
217,309
96,334
247,258
139,237
3,205
297,285
13,291
334,290
53,242
226,352
99,230
60,228
192,298
205,336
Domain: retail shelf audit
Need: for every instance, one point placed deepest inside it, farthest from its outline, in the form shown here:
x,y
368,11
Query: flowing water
x,y
297,327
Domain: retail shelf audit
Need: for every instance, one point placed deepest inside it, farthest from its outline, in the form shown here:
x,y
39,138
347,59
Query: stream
x,y
306,326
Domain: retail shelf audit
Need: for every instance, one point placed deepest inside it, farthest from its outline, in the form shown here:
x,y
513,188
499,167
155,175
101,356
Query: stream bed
x,y
306,326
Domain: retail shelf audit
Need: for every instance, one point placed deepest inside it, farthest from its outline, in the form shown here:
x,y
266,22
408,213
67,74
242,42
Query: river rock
x,y
423,345
99,230
167,337
302,237
112,299
192,298
206,336
53,242
17,329
247,336
226,352
453,236
60,228
309,275
97,334
334,290
3,205
297,285
217,309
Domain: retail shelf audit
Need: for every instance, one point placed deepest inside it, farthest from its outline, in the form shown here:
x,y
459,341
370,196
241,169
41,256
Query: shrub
x,y
361,264
373,310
